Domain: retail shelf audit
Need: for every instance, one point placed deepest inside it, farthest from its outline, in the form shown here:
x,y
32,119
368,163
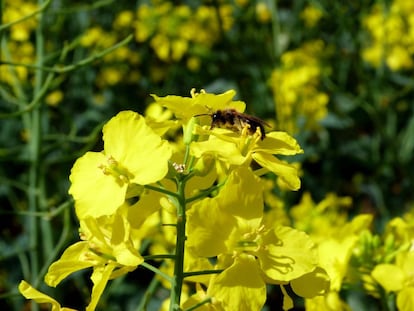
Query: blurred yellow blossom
x,y
124,19
54,98
299,103
18,48
398,278
391,31
173,29
311,15
15,10
263,12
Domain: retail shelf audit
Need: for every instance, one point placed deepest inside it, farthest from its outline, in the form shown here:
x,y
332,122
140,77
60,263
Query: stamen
x,y
258,134
112,167
195,94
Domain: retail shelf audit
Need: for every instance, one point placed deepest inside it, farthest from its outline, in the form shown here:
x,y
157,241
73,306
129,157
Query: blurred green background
x,y
337,75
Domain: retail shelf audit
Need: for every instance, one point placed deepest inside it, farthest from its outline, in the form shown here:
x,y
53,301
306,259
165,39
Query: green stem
x,y
178,278
72,67
157,271
58,247
34,151
40,67
205,193
275,29
161,190
152,287
162,256
202,272
197,305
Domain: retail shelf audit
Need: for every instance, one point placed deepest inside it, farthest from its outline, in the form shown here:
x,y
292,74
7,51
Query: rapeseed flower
x,y
133,154
398,278
185,108
233,149
109,246
335,253
230,226
311,15
391,29
298,100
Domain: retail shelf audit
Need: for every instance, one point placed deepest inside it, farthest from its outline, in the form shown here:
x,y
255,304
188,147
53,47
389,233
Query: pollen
x,y
120,173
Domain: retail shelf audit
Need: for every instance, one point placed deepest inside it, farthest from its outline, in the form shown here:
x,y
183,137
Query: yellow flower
x,y
109,246
221,210
295,87
398,278
392,35
335,252
133,154
311,15
263,12
233,149
54,98
184,108
322,219
230,226
92,36
123,20
240,286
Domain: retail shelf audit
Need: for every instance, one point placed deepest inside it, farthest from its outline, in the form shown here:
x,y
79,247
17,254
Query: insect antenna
x,y
202,114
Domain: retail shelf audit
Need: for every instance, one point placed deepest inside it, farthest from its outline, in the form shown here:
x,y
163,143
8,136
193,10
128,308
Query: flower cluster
x,y
392,35
353,257
299,103
172,33
384,263
311,15
173,30
18,49
198,200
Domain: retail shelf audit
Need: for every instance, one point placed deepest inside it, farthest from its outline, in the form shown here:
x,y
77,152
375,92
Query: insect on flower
x,y
236,121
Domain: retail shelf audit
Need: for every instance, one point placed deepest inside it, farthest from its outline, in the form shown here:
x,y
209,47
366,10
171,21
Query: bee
x,y
236,121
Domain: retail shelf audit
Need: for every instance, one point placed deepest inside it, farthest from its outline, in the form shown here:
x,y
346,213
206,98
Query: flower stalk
x,y
178,279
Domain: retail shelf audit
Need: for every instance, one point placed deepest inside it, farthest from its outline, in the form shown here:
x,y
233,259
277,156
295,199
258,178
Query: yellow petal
x,y
405,299
72,260
334,258
122,247
240,287
288,173
311,284
132,143
95,193
186,107
31,293
208,228
222,150
99,277
390,277
288,254
279,143
248,205
148,203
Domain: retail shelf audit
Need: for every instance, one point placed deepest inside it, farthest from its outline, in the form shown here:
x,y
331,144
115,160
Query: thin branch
x,y
157,271
72,67
202,272
161,190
